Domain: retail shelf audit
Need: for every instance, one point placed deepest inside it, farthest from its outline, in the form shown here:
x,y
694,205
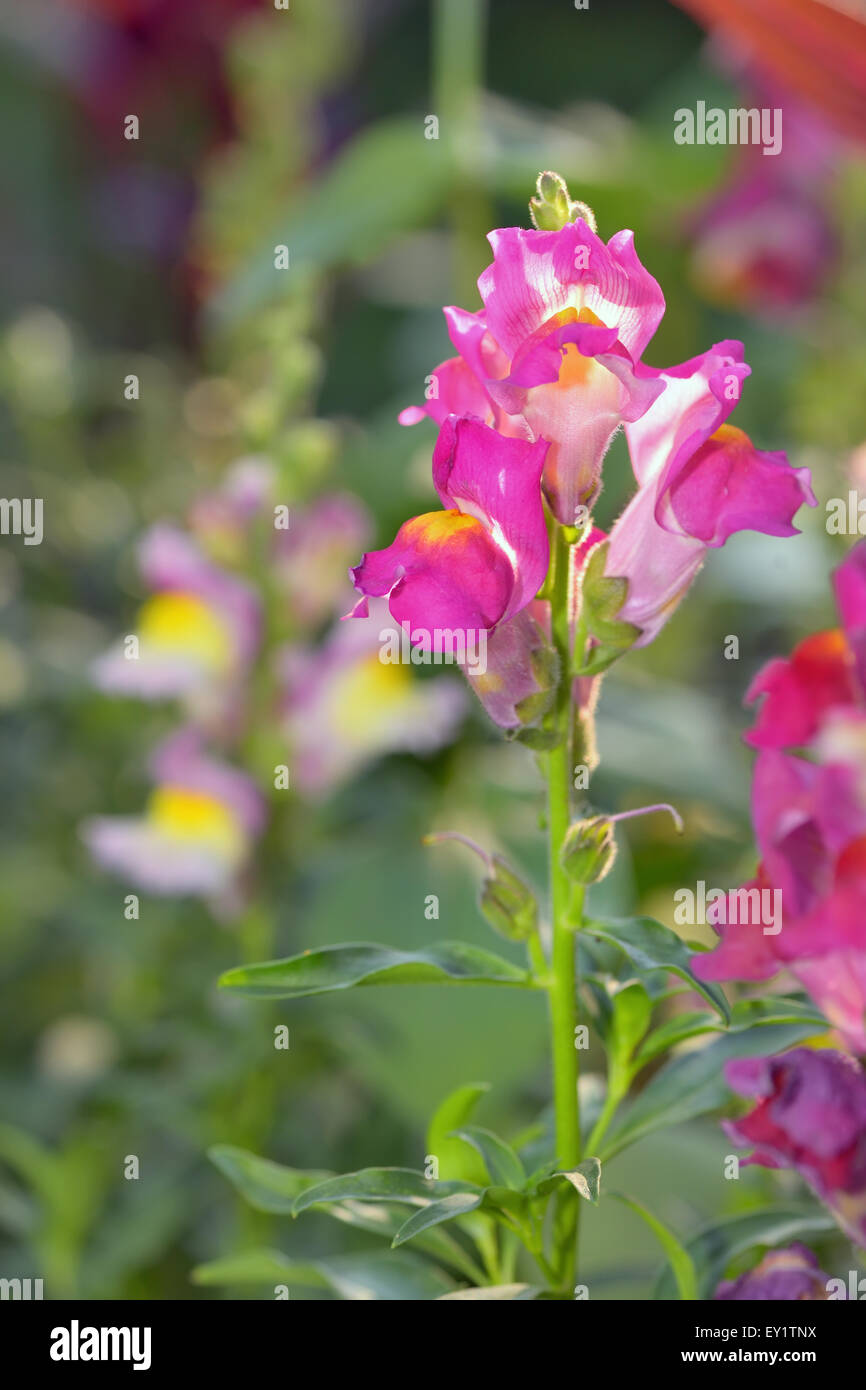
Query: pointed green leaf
x,y
455,1159
680,1260
651,946
377,1275
496,1292
445,1209
363,963
265,1185
376,1185
502,1163
693,1083
585,1179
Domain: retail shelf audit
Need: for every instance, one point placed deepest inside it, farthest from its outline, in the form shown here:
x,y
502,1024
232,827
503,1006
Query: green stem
x,y
567,909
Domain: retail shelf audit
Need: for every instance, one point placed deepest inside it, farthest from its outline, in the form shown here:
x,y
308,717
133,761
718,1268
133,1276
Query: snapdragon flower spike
x,y
700,480
454,574
824,674
781,1276
810,825
198,829
555,352
199,630
810,1116
344,704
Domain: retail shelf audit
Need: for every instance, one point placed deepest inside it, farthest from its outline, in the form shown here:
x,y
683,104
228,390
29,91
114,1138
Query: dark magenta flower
x,y
824,674
782,1275
455,573
810,1116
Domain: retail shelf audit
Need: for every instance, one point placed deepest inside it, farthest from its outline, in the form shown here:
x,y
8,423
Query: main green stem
x,y
567,906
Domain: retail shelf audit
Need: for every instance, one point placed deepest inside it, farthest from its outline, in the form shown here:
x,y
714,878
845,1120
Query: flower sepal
x,y
602,598
504,900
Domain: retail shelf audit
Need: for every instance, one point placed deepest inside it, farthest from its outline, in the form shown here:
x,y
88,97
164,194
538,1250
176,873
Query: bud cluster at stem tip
x,y
552,208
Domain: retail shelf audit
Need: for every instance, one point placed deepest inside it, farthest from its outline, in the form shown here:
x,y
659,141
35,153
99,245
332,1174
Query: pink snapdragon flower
x,y
810,1115
554,354
453,574
700,480
344,705
197,633
810,821
195,837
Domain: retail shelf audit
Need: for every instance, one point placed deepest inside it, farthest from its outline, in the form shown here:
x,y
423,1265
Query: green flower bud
x,y
506,902
589,850
553,209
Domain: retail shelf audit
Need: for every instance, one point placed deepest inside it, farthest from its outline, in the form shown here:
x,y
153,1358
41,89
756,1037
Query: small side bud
x,y
506,902
504,899
589,850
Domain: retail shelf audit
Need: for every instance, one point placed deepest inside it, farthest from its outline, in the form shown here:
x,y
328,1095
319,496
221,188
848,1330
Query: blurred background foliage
x,y
307,128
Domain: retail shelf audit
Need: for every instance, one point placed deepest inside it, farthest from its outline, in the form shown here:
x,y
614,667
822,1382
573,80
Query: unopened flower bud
x,y
589,850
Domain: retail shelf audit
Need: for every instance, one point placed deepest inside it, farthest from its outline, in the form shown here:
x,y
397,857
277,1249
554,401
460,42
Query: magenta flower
x,y
555,352
349,702
700,480
197,633
766,240
782,1275
197,831
810,1116
810,824
824,674
453,574
810,821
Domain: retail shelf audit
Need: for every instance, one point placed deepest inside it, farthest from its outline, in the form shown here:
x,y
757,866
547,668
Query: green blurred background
x,y
307,127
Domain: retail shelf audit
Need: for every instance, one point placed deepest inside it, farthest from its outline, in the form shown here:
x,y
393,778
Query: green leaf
x,y
694,1083
631,1014
446,1209
363,963
455,1159
265,1185
585,1178
776,1009
376,1275
713,1248
651,946
746,1013
381,184
676,1030
680,1260
502,1163
376,1185
497,1292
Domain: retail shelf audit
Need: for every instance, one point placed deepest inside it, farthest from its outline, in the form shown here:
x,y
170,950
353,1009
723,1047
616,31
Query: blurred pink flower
x,y
197,830
344,706
197,634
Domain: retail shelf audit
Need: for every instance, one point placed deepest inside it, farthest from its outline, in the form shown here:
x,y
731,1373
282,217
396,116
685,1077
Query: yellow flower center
x,y
179,623
196,818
